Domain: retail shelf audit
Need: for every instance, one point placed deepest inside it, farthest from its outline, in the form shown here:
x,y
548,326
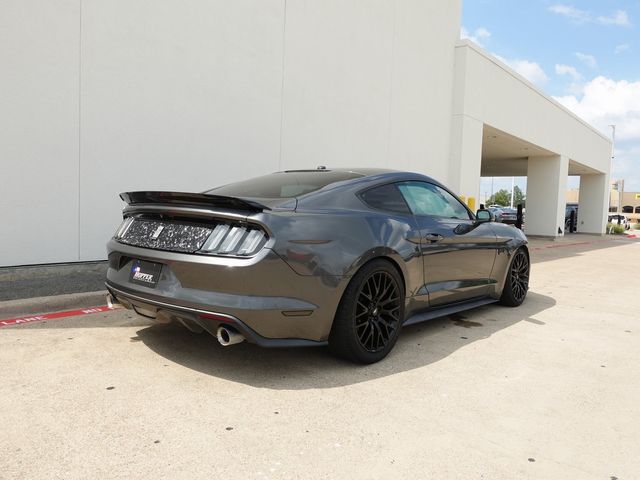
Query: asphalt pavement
x,y
48,280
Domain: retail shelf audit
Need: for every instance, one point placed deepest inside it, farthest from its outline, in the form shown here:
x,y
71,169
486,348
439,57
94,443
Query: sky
x,y
585,54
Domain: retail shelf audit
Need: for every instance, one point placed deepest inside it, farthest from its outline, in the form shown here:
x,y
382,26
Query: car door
x,y
458,253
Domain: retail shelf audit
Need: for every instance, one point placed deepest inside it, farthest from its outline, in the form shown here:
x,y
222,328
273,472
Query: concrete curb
x,y
39,305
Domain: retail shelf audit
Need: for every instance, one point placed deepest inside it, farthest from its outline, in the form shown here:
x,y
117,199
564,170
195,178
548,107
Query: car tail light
x,y
235,240
124,226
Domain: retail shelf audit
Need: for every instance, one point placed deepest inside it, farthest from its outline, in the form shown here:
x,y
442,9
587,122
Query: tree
x,y
518,197
501,197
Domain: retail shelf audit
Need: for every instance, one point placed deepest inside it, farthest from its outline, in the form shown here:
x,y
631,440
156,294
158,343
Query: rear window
x,y
386,197
284,184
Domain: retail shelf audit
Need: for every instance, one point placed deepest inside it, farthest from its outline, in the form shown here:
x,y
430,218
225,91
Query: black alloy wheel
x,y
517,283
377,311
370,314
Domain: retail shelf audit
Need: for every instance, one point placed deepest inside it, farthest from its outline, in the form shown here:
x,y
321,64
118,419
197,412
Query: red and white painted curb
x,y
52,316
561,245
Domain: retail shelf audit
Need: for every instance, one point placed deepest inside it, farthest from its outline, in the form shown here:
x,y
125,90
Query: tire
x,y
516,284
370,314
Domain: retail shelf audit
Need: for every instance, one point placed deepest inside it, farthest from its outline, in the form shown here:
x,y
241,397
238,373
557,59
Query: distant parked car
x,y
496,212
509,215
504,214
623,220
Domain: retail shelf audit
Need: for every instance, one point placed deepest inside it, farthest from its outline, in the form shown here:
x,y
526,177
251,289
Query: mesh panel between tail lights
x,y
218,239
161,235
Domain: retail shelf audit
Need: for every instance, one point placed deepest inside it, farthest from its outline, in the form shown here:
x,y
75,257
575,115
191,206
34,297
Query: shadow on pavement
x,y
298,369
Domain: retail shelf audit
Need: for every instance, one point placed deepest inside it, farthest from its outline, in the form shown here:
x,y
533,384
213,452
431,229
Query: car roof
x,y
344,194
352,180
361,171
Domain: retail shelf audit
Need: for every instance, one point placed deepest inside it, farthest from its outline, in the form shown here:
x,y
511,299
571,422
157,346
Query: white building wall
x,y
101,97
175,96
422,86
546,191
39,131
594,203
466,157
369,84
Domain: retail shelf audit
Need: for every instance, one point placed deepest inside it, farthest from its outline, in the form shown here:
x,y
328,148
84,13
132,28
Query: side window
x,y
385,197
428,199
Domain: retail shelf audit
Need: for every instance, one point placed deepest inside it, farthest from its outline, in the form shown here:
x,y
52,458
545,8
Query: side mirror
x,y
483,216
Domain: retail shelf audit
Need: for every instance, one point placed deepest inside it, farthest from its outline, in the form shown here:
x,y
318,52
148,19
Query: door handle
x,y
433,237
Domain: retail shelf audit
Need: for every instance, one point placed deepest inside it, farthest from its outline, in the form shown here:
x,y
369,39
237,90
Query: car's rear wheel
x,y
370,314
517,282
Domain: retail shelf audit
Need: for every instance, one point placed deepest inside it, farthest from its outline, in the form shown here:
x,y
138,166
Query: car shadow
x,y
307,368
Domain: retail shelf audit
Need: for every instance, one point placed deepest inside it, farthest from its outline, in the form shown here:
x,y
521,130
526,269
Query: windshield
x,y
284,184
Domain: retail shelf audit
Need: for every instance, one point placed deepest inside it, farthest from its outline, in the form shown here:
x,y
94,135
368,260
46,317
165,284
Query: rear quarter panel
x,y
338,242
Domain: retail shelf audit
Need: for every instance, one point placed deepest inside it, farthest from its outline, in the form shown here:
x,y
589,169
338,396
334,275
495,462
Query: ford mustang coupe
x,y
335,257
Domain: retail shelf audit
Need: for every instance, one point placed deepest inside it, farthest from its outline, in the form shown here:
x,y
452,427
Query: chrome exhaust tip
x,y
112,302
226,336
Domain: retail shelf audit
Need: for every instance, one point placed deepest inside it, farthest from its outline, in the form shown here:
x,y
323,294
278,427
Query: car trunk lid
x,y
193,223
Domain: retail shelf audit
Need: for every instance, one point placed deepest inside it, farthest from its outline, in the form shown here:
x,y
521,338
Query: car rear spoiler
x,y
192,199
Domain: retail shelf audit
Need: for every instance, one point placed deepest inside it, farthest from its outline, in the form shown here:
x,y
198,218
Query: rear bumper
x,y
207,320
262,297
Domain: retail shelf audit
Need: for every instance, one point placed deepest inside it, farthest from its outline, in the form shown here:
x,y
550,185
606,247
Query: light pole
x,y
613,154
492,193
513,182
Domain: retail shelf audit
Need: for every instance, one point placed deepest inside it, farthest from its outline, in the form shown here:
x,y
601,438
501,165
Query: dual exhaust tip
x,y
227,336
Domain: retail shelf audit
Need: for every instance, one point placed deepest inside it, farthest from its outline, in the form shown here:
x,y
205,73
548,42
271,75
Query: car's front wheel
x,y
370,314
517,282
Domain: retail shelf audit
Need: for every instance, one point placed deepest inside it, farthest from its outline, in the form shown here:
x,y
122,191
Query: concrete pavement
x,y
547,390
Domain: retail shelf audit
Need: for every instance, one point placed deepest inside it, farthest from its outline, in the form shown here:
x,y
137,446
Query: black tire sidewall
x,y
343,339
507,297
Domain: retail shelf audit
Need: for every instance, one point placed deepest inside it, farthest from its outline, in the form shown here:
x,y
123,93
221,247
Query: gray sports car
x,y
313,257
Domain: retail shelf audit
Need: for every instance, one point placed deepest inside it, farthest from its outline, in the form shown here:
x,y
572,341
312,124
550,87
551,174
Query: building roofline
x,y
473,46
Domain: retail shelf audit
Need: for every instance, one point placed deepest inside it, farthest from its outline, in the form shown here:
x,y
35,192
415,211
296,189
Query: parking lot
x,y
547,390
